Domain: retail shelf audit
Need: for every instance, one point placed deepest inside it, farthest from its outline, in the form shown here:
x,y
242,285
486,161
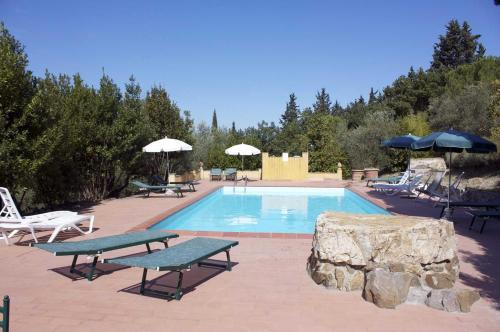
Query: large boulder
x,y
424,247
393,259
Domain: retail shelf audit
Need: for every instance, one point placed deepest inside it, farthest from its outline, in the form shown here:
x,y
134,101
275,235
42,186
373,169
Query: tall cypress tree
x,y
323,103
292,112
373,96
214,122
233,128
459,46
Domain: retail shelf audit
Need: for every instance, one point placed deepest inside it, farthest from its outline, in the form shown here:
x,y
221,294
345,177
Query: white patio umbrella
x,y
242,150
166,145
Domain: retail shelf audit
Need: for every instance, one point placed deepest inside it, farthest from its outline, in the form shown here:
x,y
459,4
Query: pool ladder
x,y
245,178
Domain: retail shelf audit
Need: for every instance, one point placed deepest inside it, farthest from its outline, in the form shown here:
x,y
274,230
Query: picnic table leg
x,y
178,291
92,269
143,281
165,243
73,264
228,257
149,248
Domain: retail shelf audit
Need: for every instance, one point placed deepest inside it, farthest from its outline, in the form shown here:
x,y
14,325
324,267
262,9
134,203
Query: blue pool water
x,y
266,209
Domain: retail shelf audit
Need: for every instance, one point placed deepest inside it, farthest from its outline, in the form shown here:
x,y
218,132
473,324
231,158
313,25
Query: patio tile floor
x,y
267,290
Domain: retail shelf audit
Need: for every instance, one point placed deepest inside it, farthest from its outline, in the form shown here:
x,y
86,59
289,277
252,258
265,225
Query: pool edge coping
x,y
165,214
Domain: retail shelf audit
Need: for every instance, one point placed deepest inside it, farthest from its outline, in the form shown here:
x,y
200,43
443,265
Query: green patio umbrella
x,y
402,142
453,141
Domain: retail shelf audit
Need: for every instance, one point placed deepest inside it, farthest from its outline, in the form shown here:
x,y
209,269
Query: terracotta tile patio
x,y
268,289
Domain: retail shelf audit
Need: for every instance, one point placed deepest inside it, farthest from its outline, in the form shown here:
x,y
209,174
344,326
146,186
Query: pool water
x,y
266,209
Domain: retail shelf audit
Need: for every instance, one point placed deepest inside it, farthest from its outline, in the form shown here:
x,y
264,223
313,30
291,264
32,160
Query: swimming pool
x,y
265,209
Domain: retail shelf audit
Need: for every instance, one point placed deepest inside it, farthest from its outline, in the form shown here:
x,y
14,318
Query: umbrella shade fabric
x,y
454,141
401,142
242,150
167,145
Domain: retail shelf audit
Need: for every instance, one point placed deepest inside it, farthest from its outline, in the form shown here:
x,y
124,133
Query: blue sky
x,y
242,58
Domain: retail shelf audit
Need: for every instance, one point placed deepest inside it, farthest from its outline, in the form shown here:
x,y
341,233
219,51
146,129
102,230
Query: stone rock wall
x,y
393,259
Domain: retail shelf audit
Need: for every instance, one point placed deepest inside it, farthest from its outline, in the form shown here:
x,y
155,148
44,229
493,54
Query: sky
x,y
242,58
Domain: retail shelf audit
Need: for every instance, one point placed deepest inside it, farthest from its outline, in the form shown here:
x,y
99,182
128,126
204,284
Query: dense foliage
x,y
67,141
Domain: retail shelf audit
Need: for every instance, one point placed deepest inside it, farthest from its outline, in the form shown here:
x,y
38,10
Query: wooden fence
x,y
284,167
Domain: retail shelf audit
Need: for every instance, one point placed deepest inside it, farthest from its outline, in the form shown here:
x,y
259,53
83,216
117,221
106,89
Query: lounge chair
x,y
471,205
432,189
393,189
215,173
178,258
401,179
485,215
11,220
189,183
455,193
96,247
230,174
148,188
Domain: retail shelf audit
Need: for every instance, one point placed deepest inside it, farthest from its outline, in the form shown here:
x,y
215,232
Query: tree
x,y
233,128
17,87
468,111
292,112
214,122
459,46
322,104
324,149
372,97
362,144
337,109
164,116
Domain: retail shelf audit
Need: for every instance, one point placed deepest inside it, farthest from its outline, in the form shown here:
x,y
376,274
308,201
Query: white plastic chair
x,y
11,220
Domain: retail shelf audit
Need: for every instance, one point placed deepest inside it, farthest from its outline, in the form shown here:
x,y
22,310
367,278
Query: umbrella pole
x,y
409,163
167,171
448,211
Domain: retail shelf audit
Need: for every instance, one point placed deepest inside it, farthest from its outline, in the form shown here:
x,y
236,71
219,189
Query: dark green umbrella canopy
x,y
401,142
454,141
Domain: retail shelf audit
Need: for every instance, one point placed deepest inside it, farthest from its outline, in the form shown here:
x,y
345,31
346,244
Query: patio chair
x,y
96,247
432,189
178,258
400,179
215,173
393,189
11,220
148,188
455,193
230,174
189,183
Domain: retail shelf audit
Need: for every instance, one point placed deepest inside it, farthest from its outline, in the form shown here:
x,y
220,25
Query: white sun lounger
x,y
11,220
393,189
